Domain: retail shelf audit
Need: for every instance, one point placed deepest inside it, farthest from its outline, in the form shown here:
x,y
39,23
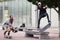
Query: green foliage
x,y
50,3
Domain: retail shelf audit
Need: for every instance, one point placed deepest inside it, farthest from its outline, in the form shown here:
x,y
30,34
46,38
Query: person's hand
x,y
46,6
35,10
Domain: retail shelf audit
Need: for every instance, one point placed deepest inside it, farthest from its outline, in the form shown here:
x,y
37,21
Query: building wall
x,y
21,11
1,14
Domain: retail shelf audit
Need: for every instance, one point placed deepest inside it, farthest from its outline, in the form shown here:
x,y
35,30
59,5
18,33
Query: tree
x,y
51,4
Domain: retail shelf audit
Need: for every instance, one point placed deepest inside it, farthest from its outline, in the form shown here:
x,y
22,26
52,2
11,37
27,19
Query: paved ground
x,y
21,36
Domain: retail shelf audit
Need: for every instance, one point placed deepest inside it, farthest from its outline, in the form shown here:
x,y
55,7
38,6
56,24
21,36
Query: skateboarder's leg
x,y
9,29
8,33
39,20
5,33
47,17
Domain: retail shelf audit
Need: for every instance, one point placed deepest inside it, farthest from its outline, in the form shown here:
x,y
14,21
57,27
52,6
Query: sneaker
x,y
49,22
38,27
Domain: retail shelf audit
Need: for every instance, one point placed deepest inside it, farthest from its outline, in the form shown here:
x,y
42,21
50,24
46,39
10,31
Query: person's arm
x,y
45,7
36,9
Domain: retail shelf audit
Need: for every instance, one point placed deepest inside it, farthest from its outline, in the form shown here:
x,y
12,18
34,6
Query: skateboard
x,y
46,27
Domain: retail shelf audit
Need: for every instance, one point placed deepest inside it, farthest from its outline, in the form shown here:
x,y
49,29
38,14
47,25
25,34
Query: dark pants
x,y
41,16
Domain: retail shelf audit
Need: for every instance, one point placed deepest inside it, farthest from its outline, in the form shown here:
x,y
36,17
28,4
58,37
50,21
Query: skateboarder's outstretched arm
x,y
36,9
45,7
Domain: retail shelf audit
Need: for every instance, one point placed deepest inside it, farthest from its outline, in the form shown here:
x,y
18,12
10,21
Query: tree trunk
x,y
59,24
58,11
59,20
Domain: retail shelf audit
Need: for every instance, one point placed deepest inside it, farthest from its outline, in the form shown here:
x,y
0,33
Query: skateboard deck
x,y
45,28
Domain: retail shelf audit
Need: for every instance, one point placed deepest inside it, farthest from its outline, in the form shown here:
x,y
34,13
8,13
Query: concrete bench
x,y
31,33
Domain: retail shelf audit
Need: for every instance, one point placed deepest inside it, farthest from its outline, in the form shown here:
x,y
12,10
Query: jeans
x,y
42,16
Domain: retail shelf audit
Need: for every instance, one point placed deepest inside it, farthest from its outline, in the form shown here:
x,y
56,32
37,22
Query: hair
x,y
10,16
39,3
11,20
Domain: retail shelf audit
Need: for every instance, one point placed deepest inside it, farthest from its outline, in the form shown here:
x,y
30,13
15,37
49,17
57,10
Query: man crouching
x,y
8,26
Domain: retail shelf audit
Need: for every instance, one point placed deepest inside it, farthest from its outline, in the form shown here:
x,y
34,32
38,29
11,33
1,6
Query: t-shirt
x,y
42,10
9,22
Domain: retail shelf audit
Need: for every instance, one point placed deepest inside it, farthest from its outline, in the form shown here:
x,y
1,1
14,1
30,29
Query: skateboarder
x,y
8,26
42,12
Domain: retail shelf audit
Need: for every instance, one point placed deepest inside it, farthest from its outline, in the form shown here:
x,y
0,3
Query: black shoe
x,y
49,22
38,27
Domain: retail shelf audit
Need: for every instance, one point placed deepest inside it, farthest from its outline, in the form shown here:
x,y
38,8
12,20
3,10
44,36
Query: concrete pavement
x,y
21,36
